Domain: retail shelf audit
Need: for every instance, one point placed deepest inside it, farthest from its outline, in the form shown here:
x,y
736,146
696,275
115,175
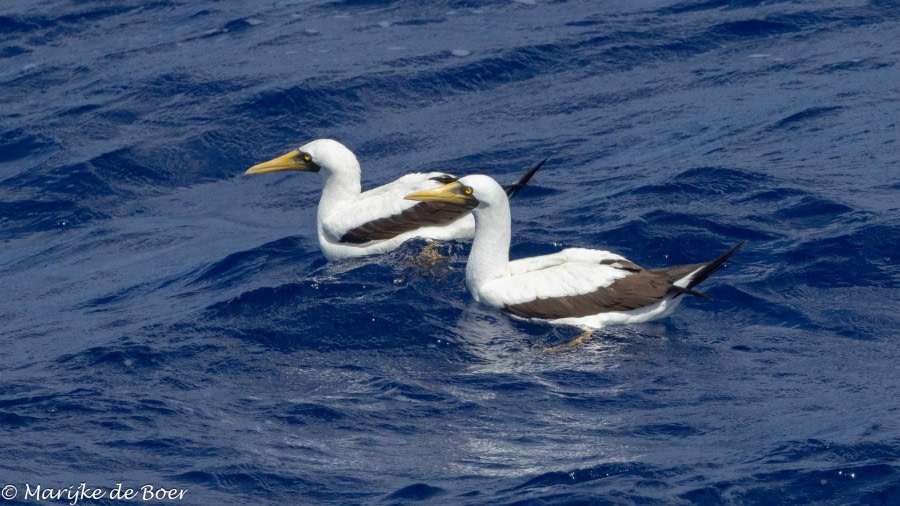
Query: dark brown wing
x,y
639,289
423,214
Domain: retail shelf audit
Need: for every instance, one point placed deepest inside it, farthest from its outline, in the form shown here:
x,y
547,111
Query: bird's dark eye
x,y
468,190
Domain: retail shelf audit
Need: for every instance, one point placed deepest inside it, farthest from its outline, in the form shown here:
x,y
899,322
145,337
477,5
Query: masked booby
x,y
586,288
353,223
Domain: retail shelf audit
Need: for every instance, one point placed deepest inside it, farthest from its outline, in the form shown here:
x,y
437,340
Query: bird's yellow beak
x,y
295,160
452,193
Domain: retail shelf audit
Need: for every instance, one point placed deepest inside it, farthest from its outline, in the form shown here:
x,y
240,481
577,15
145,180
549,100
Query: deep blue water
x,y
166,321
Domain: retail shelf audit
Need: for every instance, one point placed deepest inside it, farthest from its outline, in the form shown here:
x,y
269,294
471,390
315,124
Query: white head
x,y
478,191
327,156
486,191
489,256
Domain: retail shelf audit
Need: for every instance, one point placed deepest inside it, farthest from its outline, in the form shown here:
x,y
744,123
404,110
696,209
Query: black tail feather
x,y
687,291
712,267
518,185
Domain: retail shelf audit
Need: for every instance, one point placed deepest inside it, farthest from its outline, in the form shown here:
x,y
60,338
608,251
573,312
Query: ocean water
x,y
165,321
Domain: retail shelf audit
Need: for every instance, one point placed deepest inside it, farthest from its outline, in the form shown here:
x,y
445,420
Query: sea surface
x,y
166,321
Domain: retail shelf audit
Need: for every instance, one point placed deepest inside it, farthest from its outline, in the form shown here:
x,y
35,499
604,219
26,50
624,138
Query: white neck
x,y
489,258
339,189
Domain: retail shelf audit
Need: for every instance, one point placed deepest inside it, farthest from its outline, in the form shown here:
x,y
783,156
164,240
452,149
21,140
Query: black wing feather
x,y
423,214
444,179
641,288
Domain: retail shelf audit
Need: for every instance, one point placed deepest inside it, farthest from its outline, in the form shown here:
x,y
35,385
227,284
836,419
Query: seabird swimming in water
x,y
582,287
353,223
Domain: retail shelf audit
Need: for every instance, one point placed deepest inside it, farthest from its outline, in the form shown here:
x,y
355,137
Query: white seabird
x,y
353,223
586,288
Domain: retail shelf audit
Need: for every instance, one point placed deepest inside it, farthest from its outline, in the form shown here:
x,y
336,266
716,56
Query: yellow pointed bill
x,y
453,193
295,160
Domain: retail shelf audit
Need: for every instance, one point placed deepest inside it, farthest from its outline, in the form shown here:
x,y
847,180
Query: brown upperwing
x,y
640,288
423,214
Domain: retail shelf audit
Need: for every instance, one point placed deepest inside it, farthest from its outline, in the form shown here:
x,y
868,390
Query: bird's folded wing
x,y
383,213
562,280
582,255
577,289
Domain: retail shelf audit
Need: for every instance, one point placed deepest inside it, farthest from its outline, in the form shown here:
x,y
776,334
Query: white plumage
x,y
336,217
572,277
343,207
582,287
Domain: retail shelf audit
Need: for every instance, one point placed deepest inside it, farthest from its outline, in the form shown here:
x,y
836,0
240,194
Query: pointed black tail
x,y
705,270
518,185
713,266
687,291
